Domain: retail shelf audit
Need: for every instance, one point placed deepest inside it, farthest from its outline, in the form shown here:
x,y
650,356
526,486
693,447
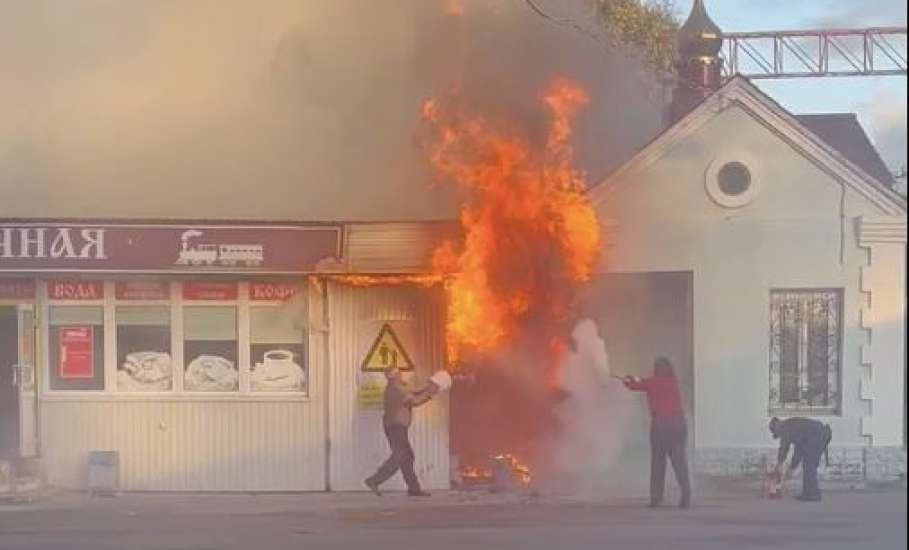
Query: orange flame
x,y
484,474
530,230
387,280
521,471
476,474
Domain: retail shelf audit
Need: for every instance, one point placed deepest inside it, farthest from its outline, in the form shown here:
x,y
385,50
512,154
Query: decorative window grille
x,y
805,350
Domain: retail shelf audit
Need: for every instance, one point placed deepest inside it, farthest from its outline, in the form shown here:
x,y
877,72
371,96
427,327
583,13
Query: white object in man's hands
x,y
441,380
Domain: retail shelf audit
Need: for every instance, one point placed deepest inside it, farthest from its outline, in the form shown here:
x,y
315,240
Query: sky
x,y
880,102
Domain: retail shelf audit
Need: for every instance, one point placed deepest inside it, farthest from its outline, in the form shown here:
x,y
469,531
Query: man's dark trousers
x,y
811,459
402,458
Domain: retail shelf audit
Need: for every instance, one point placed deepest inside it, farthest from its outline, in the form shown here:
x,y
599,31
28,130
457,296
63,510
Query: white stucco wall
x,y
884,353
798,232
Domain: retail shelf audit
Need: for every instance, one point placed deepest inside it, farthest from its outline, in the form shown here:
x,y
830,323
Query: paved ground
x,y
723,521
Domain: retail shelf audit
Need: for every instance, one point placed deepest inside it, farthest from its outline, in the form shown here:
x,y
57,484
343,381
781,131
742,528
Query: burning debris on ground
x,y
502,472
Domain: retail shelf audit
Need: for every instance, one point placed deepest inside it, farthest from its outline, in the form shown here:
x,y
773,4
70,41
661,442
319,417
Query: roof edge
x,y
741,91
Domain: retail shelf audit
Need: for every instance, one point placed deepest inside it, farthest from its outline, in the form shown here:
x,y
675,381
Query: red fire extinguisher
x,y
773,485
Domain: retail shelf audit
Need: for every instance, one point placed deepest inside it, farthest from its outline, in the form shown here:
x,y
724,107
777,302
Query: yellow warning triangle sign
x,y
386,352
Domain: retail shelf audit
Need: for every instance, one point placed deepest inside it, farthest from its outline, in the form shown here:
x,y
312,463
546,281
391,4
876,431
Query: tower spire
x,y
699,68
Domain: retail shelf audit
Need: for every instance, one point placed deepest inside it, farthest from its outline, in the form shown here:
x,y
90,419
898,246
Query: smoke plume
x,y
272,110
589,452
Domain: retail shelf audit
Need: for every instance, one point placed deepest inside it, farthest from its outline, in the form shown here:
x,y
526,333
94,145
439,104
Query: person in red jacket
x,y
668,429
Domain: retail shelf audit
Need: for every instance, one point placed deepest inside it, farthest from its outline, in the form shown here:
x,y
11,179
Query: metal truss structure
x,y
816,53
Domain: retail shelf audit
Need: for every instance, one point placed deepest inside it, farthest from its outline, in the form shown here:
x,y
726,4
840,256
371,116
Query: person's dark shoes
x,y
685,502
419,493
809,498
373,486
653,504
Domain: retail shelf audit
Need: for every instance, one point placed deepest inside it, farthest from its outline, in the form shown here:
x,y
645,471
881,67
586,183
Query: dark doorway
x,y
640,316
9,392
593,436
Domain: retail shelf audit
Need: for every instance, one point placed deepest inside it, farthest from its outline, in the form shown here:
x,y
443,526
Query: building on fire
x,y
762,251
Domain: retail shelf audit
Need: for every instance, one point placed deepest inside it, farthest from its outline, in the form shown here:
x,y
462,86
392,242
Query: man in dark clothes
x,y
399,400
811,439
668,429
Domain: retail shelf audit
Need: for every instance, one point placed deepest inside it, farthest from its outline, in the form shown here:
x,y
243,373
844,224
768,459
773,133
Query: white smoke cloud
x,y
595,417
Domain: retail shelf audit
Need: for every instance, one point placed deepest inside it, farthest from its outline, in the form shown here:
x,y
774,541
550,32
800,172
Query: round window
x,y
734,178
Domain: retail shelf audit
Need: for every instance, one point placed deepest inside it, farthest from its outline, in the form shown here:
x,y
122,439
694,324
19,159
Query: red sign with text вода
x,y
75,290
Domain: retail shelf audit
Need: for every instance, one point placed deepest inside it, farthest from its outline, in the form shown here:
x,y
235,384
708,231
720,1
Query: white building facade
x,y
797,299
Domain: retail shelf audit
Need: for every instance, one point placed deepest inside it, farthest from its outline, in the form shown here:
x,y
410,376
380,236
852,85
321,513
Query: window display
x,y
210,348
276,350
143,348
76,347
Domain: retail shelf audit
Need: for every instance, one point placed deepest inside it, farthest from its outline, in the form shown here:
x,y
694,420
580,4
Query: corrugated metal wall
x,y
186,443
225,445
393,247
358,443
267,443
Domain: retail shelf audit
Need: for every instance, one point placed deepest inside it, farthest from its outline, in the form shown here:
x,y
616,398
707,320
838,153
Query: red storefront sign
x,y
77,354
75,290
17,289
209,290
272,292
169,248
142,290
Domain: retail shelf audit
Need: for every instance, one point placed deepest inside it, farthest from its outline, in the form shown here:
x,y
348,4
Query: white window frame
x,y
242,361
44,306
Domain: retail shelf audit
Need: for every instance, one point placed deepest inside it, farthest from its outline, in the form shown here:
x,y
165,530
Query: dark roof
x,y
843,132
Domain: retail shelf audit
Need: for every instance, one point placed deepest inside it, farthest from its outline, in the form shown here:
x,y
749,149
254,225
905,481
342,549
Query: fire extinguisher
x,y
773,485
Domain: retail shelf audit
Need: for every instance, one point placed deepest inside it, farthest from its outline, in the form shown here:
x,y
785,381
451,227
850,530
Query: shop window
x,y
210,348
276,350
76,347
805,350
143,348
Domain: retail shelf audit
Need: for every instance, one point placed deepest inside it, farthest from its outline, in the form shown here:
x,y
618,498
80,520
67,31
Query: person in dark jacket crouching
x,y
810,438
668,429
399,400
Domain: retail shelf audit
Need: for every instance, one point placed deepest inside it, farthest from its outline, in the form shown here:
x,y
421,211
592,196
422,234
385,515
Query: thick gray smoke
x,y
592,453
284,109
